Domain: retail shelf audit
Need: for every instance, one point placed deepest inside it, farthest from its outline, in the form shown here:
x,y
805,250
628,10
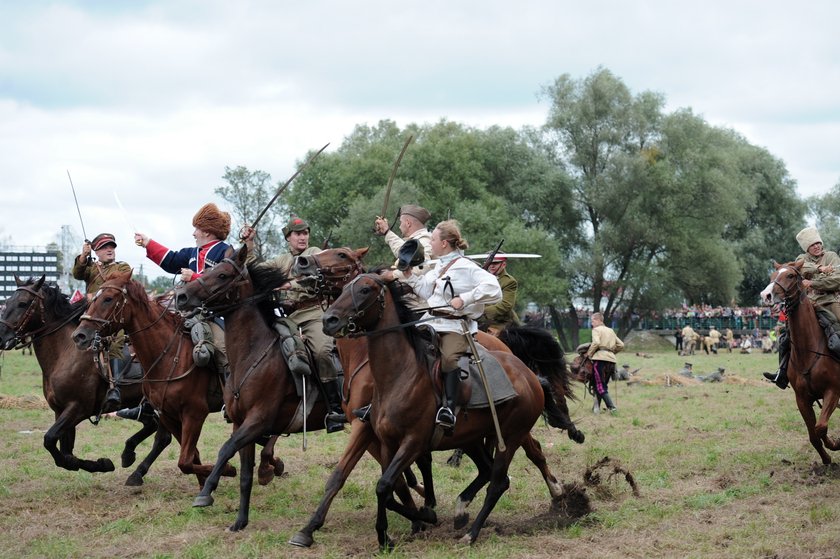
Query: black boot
x,y
363,413
335,418
112,397
780,378
451,383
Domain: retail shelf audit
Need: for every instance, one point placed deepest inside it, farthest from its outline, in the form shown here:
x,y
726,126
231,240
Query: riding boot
x,y
335,418
451,383
112,397
780,378
363,413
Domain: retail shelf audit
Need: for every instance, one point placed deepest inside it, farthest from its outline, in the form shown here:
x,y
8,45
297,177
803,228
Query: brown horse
x,y
73,386
264,398
813,372
183,393
404,405
335,268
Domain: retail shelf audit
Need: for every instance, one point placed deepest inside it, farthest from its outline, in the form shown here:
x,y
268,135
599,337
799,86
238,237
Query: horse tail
x,y
538,349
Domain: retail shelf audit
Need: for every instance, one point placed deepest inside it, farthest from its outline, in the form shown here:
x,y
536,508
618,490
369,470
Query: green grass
x,y
716,465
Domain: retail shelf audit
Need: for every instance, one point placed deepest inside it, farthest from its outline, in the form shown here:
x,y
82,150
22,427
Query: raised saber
x,y
125,214
287,183
391,182
73,188
486,384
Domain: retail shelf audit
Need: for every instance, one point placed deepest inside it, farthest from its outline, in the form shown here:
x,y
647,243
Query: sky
x,y
151,100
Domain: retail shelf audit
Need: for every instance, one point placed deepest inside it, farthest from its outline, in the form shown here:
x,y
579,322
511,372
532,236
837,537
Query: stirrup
x,y
445,418
336,416
363,413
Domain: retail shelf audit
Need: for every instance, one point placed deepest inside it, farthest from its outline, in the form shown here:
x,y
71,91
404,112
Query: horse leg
x,y
499,483
534,452
189,461
242,435
424,464
480,455
830,399
806,410
385,492
270,466
63,432
162,440
128,455
246,483
361,436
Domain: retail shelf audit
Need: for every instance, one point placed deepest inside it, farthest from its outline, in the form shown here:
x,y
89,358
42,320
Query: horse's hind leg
x,y
806,410
830,399
499,483
483,460
534,452
270,465
128,455
162,440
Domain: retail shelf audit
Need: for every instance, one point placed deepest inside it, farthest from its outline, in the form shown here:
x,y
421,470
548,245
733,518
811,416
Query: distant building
x,y
25,264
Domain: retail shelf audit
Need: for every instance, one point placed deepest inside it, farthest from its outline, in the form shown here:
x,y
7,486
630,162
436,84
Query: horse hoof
x,y
127,459
466,540
461,520
387,544
203,501
105,465
301,540
237,526
577,436
265,475
134,480
229,471
428,515
279,467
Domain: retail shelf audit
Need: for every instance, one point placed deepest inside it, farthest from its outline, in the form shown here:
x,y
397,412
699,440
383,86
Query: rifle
x,y
492,255
326,244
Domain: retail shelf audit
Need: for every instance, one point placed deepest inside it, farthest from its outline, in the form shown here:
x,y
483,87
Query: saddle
x,y
471,394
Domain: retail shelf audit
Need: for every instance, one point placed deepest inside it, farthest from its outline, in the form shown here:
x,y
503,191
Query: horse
x,y
814,373
403,404
264,399
73,386
335,268
182,392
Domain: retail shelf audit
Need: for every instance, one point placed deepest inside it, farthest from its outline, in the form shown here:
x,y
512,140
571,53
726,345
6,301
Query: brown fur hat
x,y
212,220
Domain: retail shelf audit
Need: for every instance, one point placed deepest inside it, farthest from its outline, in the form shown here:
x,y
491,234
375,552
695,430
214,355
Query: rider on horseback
x,y
94,274
212,226
821,273
302,308
457,289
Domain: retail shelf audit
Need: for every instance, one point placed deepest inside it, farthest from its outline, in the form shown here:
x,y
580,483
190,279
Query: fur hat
x,y
102,240
419,213
295,224
212,220
807,237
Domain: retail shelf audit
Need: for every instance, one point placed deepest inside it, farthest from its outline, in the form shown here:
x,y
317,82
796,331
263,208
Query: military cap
x,y
102,240
417,212
295,224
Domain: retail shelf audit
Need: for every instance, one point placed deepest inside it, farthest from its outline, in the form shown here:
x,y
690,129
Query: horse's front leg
x,y
806,410
534,452
246,483
270,466
63,433
242,435
830,399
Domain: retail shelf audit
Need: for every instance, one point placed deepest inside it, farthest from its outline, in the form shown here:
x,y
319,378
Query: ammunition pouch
x,y
202,338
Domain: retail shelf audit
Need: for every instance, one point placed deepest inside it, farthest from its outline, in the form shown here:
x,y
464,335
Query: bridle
x,y
227,295
360,307
328,278
36,304
116,314
793,293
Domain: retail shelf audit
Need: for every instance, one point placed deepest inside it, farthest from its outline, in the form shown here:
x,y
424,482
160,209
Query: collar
x,y
450,256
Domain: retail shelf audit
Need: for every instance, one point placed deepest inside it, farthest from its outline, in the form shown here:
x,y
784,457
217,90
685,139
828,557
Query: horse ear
x,y
121,276
229,251
798,264
19,281
39,283
776,265
360,252
242,255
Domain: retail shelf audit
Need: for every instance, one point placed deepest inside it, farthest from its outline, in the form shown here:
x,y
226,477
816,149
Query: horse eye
x,y
22,305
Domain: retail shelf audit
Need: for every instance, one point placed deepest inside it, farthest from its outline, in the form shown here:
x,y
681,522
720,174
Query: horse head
x,y
333,268
108,311
581,367
217,286
23,312
359,307
785,283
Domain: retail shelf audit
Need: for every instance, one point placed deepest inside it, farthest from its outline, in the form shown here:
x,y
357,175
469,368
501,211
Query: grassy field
x,y
723,470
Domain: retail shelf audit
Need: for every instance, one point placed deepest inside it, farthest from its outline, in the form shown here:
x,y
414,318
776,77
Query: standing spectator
x,y
678,341
605,344
730,339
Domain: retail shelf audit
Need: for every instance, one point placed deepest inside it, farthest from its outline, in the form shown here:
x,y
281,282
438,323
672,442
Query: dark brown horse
x,y
183,393
335,268
261,396
404,404
813,372
73,386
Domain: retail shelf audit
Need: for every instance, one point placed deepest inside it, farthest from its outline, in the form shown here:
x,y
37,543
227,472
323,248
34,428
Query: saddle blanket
x,y
500,385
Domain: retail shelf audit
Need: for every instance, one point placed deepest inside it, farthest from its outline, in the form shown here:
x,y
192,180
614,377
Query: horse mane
x,y
135,290
542,354
399,292
265,278
58,303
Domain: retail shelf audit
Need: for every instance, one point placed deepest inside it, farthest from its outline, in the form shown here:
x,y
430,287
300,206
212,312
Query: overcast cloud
x,y
153,99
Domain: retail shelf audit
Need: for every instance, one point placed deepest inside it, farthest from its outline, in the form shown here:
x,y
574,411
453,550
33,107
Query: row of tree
x,y
632,208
